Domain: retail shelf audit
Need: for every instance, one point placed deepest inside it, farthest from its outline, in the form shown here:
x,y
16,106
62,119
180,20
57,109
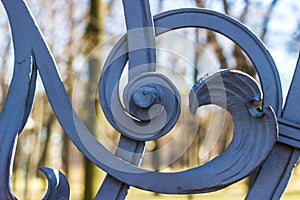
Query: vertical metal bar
x,y
142,58
112,189
275,173
291,109
140,36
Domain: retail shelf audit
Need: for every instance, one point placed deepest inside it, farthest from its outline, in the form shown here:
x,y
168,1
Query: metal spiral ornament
x,y
151,105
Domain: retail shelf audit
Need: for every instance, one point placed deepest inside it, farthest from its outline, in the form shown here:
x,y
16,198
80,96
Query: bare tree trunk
x,y
69,82
267,19
91,123
253,175
94,34
49,127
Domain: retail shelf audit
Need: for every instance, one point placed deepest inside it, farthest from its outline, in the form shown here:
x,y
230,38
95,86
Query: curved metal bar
x,y
13,119
20,96
286,152
58,186
238,33
237,92
140,34
201,179
199,18
181,182
275,173
113,110
81,137
31,92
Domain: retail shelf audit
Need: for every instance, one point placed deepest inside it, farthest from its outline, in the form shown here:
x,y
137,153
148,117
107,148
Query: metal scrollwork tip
x,y
58,186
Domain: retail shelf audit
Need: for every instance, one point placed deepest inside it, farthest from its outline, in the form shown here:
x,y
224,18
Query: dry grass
x,y
234,192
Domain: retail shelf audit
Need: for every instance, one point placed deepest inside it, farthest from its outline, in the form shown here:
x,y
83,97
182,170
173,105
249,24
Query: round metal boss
x,y
147,95
152,107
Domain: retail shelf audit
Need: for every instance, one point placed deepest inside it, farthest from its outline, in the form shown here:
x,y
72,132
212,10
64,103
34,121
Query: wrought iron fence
x,y
264,138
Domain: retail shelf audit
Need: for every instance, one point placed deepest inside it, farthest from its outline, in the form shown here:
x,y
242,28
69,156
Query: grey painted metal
x,y
58,186
255,132
142,58
289,120
286,153
18,101
192,18
141,41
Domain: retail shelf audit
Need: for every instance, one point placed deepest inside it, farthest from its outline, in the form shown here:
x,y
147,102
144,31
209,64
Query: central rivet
x,y
145,96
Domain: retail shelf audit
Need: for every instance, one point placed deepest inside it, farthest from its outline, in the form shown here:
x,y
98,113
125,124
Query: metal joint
x,y
289,132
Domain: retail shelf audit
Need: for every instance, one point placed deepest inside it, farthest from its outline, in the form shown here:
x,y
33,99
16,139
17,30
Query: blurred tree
x,y
242,63
65,37
4,86
94,36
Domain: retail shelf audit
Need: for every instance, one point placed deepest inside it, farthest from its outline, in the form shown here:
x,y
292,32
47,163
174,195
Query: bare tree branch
x,y
211,38
226,7
245,11
267,19
199,4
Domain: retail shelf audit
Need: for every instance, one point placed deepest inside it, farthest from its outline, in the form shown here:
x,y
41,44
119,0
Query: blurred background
x,y
81,33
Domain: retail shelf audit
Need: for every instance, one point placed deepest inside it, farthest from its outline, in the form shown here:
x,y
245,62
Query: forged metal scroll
x,y
255,132
58,186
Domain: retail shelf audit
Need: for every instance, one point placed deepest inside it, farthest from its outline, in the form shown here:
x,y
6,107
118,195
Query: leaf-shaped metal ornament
x,y
255,130
58,186
255,133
